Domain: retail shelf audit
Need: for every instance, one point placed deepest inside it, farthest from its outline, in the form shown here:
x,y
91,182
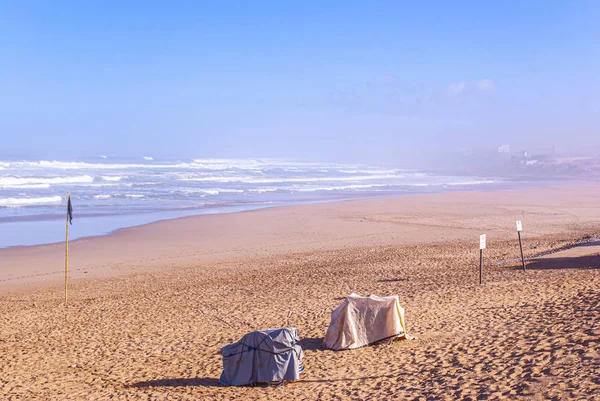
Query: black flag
x,y
70,210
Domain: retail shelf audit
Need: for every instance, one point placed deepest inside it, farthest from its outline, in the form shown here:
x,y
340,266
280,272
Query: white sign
x,y
482,241
519,226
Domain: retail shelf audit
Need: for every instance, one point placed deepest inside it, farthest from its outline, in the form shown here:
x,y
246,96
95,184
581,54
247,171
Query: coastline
x,y
111,223
165,215
18,229
126,192
381,221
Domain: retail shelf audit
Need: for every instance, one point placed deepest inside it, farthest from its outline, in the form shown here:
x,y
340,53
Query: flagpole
x,y
67,249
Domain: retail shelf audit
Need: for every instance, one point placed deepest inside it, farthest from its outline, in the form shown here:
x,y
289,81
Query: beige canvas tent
x,y
361,321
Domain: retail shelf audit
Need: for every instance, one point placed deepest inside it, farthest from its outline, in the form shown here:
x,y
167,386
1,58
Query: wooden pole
x,y
67,252
480,266
521,246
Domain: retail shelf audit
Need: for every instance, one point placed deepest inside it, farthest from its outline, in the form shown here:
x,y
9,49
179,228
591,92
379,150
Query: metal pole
x,y
67,253
480,266
521,246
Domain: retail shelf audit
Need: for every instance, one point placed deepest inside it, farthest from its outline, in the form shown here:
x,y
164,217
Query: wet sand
x,y
150,306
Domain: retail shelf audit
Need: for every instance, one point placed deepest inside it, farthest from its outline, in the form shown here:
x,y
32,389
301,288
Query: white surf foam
x,y
370,171
263,190
74,165
338,188
196,164
18,202
25,186
217,191
254,180
473,182
112,178
15,181
207,191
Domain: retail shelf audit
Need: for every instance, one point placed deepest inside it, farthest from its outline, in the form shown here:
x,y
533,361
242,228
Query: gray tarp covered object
x,y
261,357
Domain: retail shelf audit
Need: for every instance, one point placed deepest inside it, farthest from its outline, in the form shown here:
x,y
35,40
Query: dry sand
x,y
150,306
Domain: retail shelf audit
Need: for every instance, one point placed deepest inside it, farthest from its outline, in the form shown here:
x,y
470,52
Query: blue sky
x,y
360,81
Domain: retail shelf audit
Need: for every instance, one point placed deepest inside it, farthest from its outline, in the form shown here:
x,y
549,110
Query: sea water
x,y
108,194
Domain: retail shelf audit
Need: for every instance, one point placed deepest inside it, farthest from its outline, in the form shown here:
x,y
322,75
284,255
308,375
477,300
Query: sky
x,y
387,81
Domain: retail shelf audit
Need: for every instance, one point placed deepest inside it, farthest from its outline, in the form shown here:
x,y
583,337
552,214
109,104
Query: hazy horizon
x,y
379,83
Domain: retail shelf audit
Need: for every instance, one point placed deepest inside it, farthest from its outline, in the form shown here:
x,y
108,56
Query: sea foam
x,y
18,202
129,186
16,181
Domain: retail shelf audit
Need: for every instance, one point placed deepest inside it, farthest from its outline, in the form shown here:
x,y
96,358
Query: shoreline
x,y
141,216
228,209
26,224
230,237
194,212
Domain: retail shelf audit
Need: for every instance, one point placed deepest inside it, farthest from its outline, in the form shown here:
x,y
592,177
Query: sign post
x,y
519,229
67,252
482,245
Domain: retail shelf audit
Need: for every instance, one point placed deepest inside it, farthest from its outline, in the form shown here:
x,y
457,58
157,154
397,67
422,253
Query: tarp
x,y
361,321
262,356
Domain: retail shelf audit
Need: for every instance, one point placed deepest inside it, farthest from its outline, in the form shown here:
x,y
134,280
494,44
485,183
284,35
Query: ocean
x,y
108,194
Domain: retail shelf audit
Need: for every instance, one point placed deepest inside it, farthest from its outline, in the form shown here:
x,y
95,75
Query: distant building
x,y
504,149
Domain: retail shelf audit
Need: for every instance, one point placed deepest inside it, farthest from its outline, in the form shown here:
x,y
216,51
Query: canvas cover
x,y
361,321
262,356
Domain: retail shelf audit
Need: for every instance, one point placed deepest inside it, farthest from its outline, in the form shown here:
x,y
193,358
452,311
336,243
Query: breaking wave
x,y
16,181
128,186
112,178
254,180
195,164
18,202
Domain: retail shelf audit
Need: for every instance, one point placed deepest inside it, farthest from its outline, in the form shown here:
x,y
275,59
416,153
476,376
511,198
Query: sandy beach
x,y
150,306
